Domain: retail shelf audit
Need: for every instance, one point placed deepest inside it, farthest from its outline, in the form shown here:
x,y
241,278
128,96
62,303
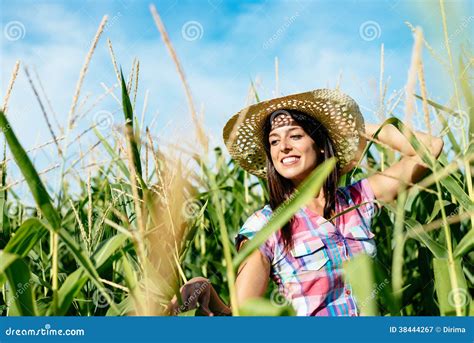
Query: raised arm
x,y
410,168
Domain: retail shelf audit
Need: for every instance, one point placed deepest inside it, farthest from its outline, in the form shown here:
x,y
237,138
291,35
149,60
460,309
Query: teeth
x,y
290,160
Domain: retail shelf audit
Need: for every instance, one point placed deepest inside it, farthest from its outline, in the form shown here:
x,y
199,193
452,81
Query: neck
x,y
317,203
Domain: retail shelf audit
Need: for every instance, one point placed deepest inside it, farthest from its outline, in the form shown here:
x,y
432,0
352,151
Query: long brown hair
x,y
281,188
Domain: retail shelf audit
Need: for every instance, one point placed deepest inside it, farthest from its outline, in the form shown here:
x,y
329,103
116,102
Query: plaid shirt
x,y
311,276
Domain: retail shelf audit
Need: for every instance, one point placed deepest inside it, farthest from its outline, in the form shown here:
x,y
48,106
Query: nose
x,y
285,145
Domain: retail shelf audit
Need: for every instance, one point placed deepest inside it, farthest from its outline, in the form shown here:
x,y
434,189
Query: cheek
x,y
273,154
310,153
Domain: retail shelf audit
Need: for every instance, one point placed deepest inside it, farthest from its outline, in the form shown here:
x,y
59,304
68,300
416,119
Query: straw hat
x,y
340,114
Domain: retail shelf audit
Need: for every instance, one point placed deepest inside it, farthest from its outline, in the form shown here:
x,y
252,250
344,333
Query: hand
x,y
195,293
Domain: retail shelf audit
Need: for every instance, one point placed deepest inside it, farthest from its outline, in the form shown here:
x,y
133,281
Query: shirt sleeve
x,y
362,194
250,228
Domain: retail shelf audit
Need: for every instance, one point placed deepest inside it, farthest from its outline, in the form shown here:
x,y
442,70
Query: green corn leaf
x,y
438,250
307,191
38,191
465,245
76,281
126,306
129,274
128,113
107,248
446,294
85,262
264,307
451,137
468,94
20,299
439,107
43,201
359,273
26,237
6,260
69,290
448,181
437,209
254,89
191,313
3,194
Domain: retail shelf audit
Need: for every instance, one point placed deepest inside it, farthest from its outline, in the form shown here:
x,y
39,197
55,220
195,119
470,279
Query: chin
x,y
294,176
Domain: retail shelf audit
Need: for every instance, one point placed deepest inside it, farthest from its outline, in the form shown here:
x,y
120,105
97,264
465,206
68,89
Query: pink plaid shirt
x,y
311,276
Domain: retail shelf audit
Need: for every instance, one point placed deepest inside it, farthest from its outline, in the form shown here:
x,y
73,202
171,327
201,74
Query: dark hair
x,y
281,188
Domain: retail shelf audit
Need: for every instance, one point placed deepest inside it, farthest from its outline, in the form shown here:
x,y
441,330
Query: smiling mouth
x,y
290,160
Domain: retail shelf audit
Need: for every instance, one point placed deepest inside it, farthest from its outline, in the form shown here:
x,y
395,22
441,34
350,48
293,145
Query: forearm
x,y
390,136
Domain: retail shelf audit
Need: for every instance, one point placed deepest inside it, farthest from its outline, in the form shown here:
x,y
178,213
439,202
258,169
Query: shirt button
x,y
348,291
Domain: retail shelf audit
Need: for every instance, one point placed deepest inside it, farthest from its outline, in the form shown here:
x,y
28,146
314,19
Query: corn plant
x,y
145,222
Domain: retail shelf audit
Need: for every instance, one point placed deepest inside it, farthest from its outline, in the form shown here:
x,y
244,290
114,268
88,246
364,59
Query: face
x,y
292,149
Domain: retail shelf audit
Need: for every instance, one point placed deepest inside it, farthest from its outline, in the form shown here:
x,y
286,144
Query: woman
x,y
283,140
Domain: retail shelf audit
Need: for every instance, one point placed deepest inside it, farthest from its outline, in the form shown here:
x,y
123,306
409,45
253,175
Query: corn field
x,y
153,217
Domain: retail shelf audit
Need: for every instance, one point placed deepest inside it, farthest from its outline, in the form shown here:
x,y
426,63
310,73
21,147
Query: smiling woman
x,y
284,140
292,154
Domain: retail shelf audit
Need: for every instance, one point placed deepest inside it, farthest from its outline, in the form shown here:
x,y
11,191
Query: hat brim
x,y
339,113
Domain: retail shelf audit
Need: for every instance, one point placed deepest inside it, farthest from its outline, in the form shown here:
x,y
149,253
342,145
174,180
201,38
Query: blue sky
x,y
236,42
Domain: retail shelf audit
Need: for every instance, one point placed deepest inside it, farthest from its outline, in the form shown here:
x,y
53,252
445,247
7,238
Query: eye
x,y
296,137
274,142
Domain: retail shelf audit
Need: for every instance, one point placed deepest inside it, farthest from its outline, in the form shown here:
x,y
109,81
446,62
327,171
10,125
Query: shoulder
x,y
256,222
360,194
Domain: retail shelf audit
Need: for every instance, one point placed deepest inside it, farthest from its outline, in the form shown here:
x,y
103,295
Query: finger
x,y
189,298
203,311
173,306
204,301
